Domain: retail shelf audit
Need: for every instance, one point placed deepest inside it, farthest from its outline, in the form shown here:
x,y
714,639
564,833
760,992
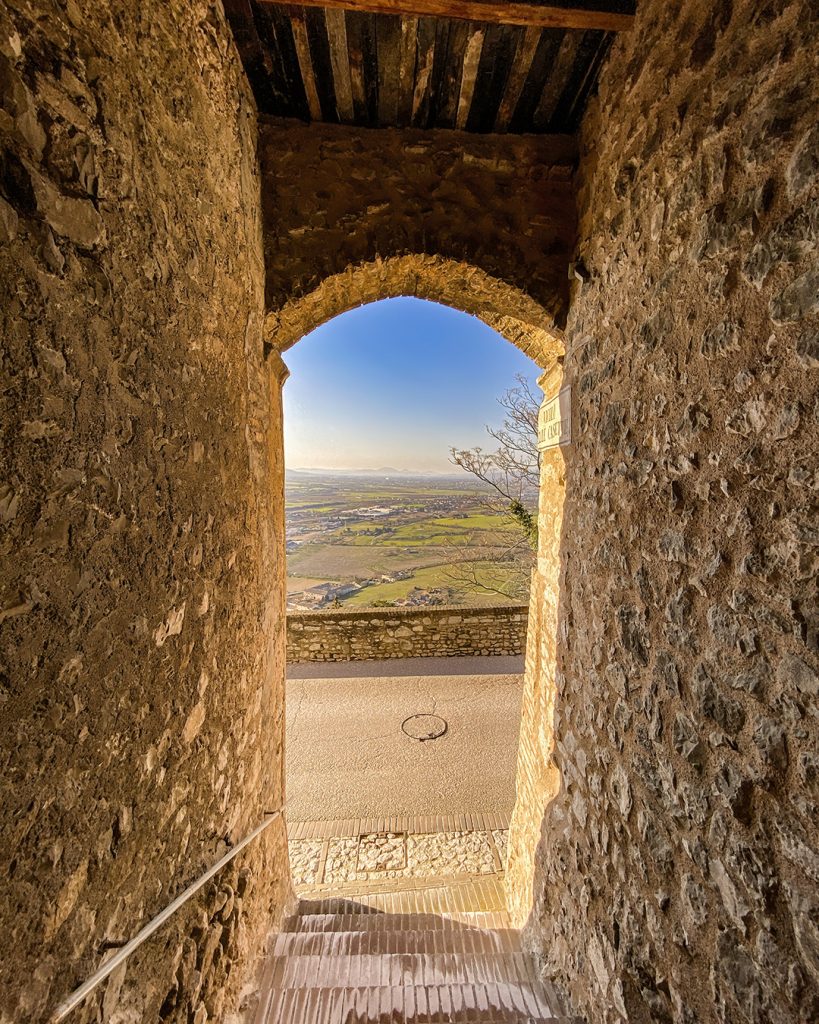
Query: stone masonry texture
x,y
337,197
373,633
676,739
663,854
140,656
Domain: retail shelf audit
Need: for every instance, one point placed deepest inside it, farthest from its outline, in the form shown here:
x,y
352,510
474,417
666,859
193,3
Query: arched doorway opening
x,y
504,307
526,324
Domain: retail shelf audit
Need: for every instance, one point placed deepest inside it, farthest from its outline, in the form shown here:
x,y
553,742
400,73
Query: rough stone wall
x,y
336,196
140,646
373,633
537,779
676,877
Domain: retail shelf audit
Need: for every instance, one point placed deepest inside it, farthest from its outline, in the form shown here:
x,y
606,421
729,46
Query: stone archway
x,y
505,308
336,197
525,323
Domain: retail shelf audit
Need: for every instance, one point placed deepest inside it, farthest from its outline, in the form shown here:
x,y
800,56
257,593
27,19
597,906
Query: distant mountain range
x,y
382,471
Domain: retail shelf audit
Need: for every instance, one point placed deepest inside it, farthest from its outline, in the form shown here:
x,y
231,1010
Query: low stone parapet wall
x,y
374,633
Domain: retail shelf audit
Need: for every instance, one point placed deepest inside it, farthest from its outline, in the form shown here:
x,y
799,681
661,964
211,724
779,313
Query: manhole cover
x,y
424,727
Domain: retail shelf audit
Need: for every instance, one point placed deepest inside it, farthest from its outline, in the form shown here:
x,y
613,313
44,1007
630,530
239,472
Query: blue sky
x,y
395,383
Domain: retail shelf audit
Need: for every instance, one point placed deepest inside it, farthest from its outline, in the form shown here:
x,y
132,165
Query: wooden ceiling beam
x,y
497,12
305,58
522,62
340,63
406,69
472,60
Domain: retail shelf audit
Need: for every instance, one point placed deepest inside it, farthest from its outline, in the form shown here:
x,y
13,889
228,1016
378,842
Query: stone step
x,y
409,1004
491,920
393,970
432,898
438,954
356,943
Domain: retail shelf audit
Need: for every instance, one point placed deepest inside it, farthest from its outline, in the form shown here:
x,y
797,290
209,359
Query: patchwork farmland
x,y
385,540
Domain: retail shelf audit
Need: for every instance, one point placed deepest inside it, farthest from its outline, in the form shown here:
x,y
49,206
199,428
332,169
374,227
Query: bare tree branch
x,y
512,472
504,569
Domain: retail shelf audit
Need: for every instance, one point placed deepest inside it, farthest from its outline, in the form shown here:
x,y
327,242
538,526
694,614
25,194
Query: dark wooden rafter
x,y
336,61
358,44
443,28
561,69
336,23
255,57
472,61
498,53
388,44
611,17
424,60
276,34
298,21
370,42
527,45
407,55
459,32
584,82
566,92
322,59
540,73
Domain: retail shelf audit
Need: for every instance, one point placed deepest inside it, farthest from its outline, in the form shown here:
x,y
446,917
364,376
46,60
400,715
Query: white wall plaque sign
x,y
554,425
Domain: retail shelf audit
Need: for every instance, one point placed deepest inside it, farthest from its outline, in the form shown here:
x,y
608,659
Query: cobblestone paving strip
x,y
392,855
342,857
450,853
382,851
305,861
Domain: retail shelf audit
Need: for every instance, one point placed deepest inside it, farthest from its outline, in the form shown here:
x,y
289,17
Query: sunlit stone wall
x,y
677,869
430,632
141,645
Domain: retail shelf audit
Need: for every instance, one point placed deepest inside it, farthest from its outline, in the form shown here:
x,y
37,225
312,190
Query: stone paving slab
x,y
385,855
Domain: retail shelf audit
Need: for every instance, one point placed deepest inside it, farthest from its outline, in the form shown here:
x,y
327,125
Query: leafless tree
x,y
511,474
501,570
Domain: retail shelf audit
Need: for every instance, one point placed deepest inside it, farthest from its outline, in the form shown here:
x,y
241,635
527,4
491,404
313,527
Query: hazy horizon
x,y
392,385
374,471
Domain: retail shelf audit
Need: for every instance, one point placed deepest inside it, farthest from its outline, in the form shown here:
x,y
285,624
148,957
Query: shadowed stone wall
x,y
336,197
141,653
676,877
369,633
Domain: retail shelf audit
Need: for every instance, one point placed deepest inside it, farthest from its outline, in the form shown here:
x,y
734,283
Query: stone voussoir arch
x,y
507,309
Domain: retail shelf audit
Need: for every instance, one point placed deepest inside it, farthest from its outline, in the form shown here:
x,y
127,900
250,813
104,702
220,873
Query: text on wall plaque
x,y
554,426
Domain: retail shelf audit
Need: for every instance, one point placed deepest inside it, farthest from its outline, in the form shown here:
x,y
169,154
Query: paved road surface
x,y
347,756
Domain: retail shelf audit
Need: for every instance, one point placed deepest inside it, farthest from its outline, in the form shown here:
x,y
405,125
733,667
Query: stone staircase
x,y
439,952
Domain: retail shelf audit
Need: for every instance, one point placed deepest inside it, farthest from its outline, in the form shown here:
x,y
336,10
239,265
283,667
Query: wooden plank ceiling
x,y
524,67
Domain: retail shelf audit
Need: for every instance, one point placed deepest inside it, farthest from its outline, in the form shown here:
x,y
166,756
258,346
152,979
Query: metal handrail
x,y
84,990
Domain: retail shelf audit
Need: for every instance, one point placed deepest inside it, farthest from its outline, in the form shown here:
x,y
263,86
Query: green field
x,y
429,525
296,583
479,529
476,521
431,578
347,562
